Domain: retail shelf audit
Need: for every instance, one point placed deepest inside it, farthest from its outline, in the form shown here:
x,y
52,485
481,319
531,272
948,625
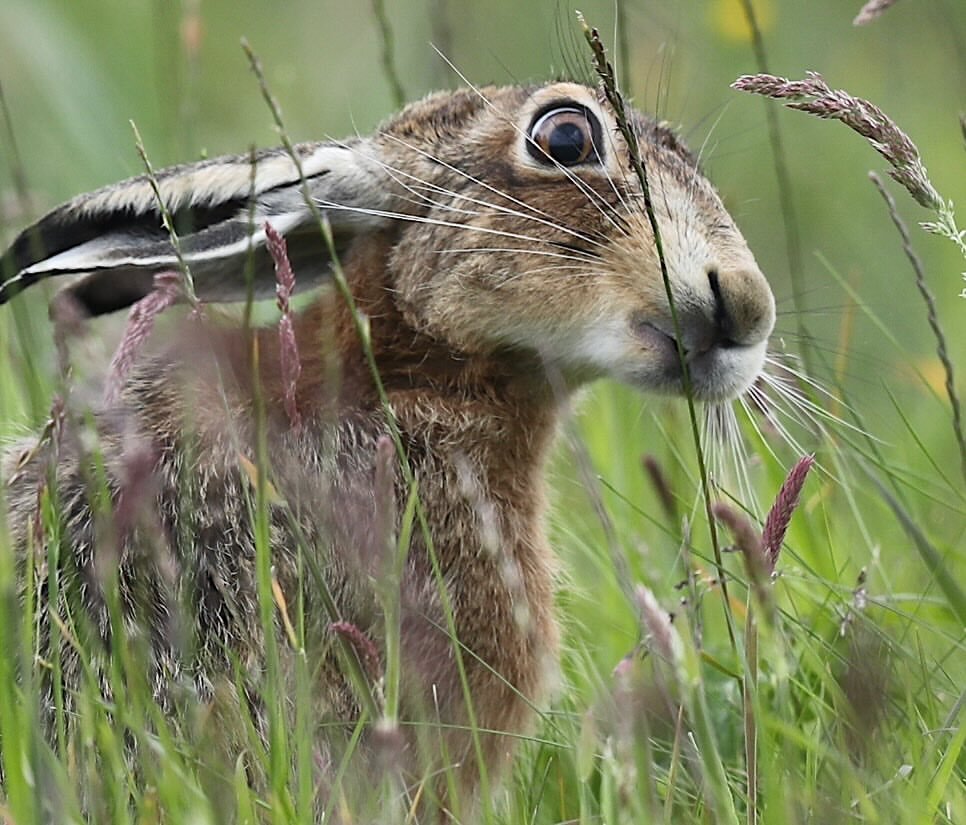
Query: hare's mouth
x,y
718,368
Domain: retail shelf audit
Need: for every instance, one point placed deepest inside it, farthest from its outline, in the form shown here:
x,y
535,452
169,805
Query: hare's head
x,y
516,222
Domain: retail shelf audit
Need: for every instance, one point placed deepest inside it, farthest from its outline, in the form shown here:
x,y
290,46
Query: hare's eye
x,y
567,135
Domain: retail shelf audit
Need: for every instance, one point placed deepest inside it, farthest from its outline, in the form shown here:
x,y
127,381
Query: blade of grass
x,y
793,246
930,555
606,73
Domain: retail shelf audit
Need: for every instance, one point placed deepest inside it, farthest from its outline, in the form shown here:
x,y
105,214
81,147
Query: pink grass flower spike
x,y
786,502
288,346
140,322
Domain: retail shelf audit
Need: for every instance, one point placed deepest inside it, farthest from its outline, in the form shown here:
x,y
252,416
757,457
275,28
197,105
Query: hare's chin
x,y
724,373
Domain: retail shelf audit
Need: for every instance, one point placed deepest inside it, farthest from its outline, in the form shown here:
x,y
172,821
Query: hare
x,y
496,243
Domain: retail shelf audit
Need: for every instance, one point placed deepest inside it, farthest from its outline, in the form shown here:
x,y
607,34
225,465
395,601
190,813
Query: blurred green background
x,y
75,73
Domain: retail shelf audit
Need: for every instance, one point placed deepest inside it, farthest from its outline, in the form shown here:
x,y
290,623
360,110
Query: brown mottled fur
x,y
477,350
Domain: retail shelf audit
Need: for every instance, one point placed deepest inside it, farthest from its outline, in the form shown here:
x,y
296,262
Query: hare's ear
x,y
112,242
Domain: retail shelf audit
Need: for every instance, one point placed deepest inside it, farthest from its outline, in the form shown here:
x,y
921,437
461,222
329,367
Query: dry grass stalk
x,y
389,69
815,96
289,359
871,10
663,638
608,80
932,316
793,244
655,472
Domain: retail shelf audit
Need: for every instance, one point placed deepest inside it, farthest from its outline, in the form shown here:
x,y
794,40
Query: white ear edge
x,y
95,254
210,183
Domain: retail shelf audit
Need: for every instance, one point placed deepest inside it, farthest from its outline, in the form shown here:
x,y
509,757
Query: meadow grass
x,y
829,692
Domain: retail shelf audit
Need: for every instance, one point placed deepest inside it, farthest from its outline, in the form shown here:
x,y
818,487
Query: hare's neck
x,y
487,419
478,431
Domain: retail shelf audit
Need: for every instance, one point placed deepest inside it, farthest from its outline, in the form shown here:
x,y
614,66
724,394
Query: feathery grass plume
x,y
290,362
137,488
748,540
786,502
140,321
865,676
385,501
69,320
814,96
871,10
860,600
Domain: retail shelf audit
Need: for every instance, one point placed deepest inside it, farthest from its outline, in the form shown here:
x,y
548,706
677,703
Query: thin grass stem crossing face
x,y
498,256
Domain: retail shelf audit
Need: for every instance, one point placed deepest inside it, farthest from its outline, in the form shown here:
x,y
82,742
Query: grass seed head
x,y
814,96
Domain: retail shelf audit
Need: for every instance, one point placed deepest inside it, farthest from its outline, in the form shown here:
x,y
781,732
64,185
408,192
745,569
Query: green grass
x,y
851,691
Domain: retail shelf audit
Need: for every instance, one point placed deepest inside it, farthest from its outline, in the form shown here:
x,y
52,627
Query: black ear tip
x,y
13,285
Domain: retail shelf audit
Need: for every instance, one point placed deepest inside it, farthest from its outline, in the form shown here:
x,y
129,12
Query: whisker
x,y
401,216
556,268
768,410
398,175
538,216
727,451
808,407
696,173
515,249
780,361
620,192
752,418
578,253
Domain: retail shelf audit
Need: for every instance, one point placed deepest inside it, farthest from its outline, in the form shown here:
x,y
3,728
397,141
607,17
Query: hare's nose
x,y
743,307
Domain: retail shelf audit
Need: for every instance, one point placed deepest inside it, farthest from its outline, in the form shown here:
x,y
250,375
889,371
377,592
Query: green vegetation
x,y
833,694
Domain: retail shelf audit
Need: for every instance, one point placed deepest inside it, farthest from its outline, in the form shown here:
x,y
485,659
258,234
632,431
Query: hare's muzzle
x,y
723,331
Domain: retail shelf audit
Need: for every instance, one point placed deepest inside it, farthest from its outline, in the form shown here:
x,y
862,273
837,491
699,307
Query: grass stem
x,y
931,313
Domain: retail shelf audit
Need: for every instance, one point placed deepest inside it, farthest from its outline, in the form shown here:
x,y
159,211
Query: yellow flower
x,y
729,20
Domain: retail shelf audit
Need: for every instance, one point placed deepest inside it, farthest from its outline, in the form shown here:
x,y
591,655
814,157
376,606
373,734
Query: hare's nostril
x,y
723,323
